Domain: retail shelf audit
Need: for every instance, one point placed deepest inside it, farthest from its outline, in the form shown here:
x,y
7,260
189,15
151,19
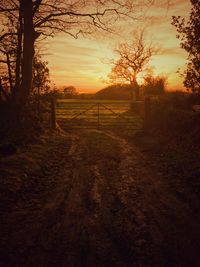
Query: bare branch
x,y
133,59
6,35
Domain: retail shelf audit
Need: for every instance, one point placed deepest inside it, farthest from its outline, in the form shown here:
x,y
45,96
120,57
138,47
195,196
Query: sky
x,y
84,62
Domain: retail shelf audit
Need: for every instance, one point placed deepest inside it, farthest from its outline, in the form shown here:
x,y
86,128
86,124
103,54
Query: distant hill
x,y
115,92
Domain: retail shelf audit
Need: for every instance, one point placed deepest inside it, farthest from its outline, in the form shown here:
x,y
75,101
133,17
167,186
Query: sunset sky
x,y
83,62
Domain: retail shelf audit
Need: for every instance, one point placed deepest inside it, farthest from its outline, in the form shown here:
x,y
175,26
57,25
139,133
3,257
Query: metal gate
x,y
97,115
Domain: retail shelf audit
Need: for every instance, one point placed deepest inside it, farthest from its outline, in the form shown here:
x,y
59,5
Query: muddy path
x,y
110,207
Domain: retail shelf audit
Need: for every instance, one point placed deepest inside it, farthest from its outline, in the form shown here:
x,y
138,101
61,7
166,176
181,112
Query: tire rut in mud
x,y
100,222
111,209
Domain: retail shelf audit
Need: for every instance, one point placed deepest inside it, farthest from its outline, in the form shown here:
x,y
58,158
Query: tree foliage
x,y
69,92
189,35
41,80
154,85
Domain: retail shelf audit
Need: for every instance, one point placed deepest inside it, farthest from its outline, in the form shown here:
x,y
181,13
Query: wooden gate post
x,y
147,113
53,113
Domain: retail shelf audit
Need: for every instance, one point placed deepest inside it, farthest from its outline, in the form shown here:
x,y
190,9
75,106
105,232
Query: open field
x,y
97,114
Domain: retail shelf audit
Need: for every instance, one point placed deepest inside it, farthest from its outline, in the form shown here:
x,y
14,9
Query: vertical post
x,y
132,99
98,115
38,101
137,92
1,96
53,113
147,113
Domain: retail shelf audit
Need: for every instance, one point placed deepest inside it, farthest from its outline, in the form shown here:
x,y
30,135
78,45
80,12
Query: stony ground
x,y
92,199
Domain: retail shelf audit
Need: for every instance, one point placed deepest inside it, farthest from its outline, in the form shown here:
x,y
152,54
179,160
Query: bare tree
x,y
7,50
10,45
133,59
32,19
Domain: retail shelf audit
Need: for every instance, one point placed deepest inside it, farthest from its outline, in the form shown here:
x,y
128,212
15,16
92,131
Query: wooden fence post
x,y
147,113
53,113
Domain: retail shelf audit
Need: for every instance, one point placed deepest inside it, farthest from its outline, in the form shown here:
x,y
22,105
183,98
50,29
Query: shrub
x,y
173,115
154,85
21,126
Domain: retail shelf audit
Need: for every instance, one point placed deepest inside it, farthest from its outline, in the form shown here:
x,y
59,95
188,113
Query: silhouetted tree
x,y
41,80
154,85
189,34
32,19
54,92
7,63
133,59
70,92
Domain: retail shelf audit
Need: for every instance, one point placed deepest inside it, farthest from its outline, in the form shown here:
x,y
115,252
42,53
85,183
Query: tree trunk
x,y
9,72
135,93
18,56
3,94
28,49
136,90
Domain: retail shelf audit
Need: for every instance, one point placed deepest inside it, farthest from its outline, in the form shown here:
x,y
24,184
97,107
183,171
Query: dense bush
x,y
173,114
154,85
20,126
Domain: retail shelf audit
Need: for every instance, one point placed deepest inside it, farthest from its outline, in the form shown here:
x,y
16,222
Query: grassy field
x,y
107,114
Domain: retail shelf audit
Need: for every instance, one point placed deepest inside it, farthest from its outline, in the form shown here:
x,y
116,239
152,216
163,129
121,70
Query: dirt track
x,y
109,207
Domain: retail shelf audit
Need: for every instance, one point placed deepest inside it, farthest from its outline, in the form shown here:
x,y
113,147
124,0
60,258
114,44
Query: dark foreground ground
x,y
93,199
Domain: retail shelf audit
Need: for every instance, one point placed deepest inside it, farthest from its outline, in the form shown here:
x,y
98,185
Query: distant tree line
x,y
152,85
67,92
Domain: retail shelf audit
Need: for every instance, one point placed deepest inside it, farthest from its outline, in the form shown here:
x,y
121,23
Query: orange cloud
x,y
79,62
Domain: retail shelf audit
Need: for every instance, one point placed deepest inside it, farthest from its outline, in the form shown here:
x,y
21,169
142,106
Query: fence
x,y
100,114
